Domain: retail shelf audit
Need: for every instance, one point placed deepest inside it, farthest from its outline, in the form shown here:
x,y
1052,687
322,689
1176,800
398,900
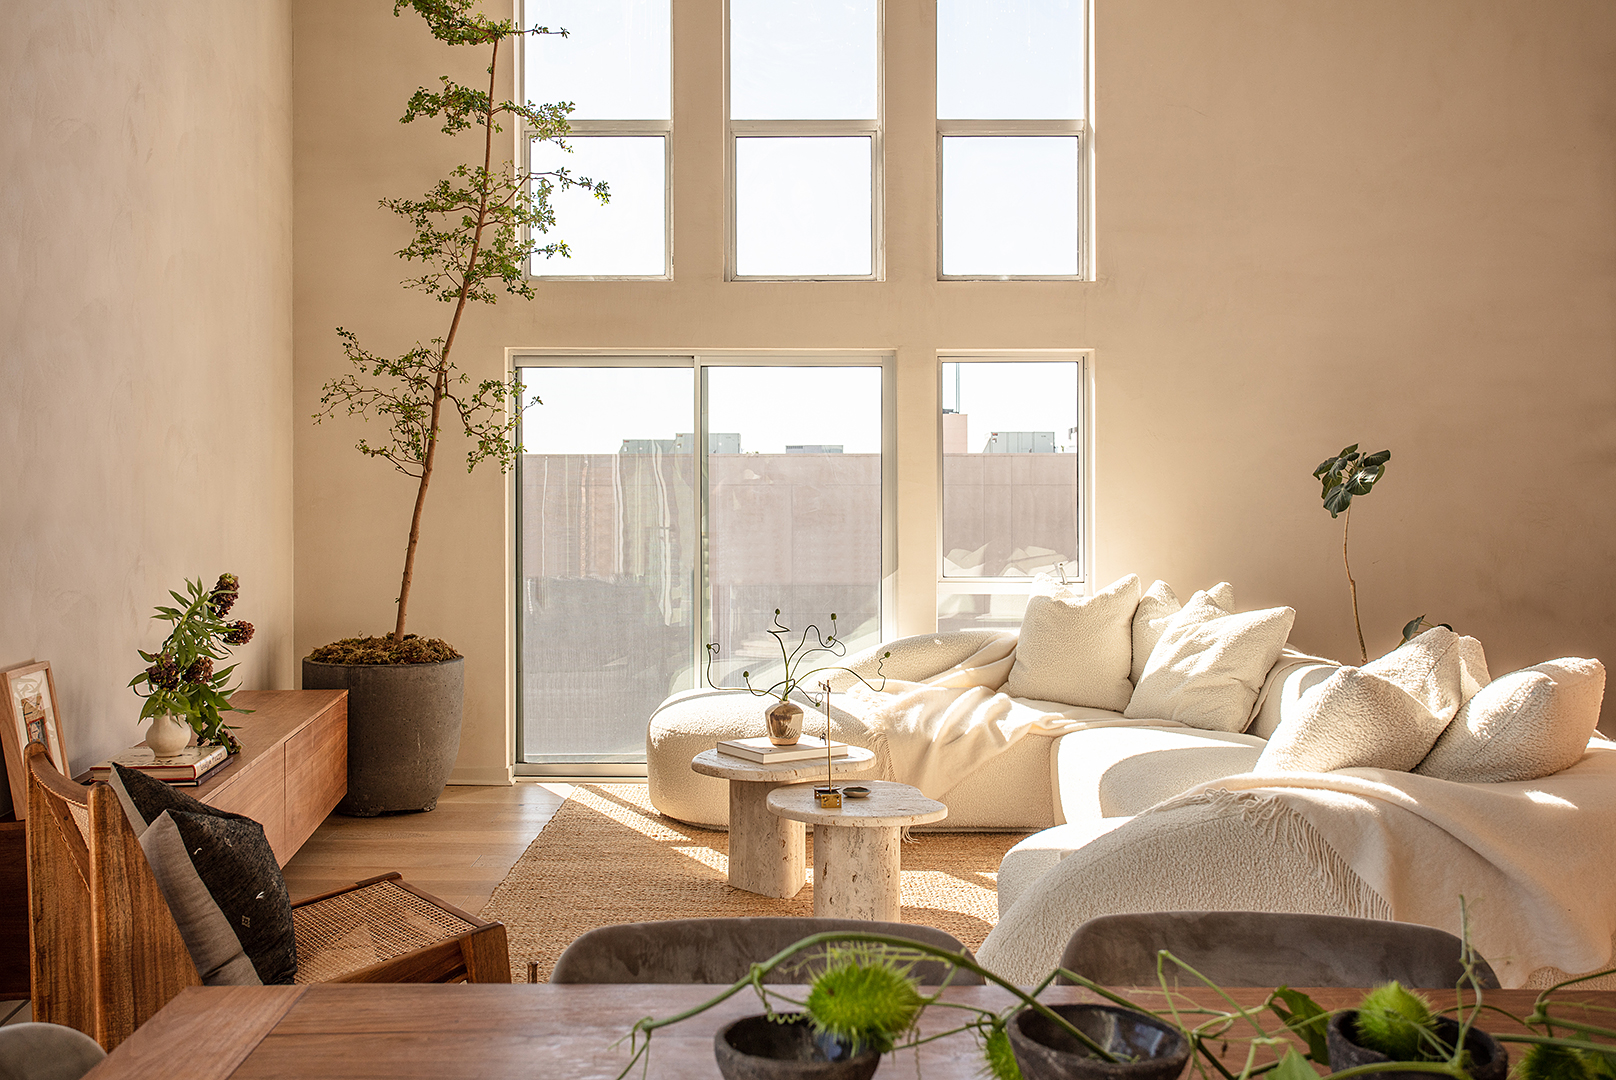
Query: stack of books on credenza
x,y
764,752
188,768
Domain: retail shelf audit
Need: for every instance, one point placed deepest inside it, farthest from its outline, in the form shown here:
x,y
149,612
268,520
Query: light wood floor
x,y
458,852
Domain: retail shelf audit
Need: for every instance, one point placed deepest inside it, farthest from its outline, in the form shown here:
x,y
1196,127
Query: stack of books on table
x,y
187,768
764,752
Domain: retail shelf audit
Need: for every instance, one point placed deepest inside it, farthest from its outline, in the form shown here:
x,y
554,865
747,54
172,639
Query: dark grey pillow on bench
x,y
220,878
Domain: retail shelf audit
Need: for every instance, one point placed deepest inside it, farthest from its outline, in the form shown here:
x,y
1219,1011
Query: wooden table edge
x,y
202,1034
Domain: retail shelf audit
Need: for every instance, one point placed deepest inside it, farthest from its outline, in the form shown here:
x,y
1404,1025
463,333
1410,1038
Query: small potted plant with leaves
x,y
185,690
405,692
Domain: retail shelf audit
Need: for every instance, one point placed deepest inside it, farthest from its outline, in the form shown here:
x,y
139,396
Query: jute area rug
x,y
608,857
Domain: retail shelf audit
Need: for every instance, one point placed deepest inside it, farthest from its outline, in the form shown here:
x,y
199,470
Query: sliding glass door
x,y
668,503
606,557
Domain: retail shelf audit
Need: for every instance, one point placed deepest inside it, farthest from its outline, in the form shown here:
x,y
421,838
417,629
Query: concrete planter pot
x,y
403,730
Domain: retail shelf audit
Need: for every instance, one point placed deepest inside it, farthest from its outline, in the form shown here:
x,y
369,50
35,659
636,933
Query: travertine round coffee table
x,y
768,854
857,865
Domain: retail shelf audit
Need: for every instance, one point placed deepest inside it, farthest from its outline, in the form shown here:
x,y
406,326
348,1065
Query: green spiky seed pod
x,y
1001,1059
863,999
1397,1023
1544,1062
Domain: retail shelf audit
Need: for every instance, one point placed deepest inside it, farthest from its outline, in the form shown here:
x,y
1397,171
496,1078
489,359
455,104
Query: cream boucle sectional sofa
x,y
1103,842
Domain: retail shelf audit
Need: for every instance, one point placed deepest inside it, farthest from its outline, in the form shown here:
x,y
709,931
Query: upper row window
x,y
804,104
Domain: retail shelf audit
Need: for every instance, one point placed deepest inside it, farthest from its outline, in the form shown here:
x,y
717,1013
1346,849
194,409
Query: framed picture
x,y
31,716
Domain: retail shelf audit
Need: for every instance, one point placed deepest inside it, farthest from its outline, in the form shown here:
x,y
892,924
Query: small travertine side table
x,y
767,854
857,866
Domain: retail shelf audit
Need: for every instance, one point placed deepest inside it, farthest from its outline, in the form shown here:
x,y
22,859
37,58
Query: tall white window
x,y
614,66
1011,114
1013,450
805,138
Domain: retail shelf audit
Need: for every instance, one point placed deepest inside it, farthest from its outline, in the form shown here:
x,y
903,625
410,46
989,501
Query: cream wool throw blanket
x,y
1535,868
933,734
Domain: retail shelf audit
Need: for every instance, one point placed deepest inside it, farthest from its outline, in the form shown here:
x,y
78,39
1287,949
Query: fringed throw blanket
x,y
932,734
1535,869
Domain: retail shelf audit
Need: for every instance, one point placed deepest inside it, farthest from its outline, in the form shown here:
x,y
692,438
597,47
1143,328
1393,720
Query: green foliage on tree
x,y
474,232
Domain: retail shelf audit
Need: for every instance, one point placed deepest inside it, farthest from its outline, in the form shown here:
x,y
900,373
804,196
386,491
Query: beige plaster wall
x,y
1318,223
146,310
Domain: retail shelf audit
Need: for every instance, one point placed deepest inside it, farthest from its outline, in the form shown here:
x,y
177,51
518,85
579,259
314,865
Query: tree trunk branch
x,y
440,384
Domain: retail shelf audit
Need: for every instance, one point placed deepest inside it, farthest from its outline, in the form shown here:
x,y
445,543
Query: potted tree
x,y
405,691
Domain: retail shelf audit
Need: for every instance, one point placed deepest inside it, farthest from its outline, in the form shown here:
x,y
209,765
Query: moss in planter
x,y
383,650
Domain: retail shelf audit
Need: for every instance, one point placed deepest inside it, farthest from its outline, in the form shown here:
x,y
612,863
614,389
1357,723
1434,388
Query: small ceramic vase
x,y
167,735
763,1048
1045,1051
1489,1060
784,721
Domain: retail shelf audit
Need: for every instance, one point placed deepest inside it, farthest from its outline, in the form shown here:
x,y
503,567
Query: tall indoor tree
x,y
474,232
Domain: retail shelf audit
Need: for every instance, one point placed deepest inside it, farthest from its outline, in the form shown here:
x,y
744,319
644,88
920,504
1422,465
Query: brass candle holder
x,y
828,797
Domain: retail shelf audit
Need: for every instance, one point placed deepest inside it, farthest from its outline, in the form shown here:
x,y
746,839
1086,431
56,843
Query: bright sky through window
x,y
806,405
1010,110
1008,395
802,206
624,237
802,59
804,79
1010,205
1010,60
612,65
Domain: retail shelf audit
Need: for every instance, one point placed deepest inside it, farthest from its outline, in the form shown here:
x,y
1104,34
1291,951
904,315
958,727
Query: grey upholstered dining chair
x,y
46,1052
1261,948
724,950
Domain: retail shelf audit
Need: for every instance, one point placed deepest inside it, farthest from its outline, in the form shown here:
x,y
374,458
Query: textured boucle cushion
x,y
1385,715
1472,668
1209,665
1156,607
1291,677
1076,649
220,878
1522,726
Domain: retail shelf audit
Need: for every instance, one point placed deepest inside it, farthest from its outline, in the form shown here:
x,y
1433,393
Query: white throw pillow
x,y
1156,607
1385,715
1288,683
1473,668
1427,667
1209,664
1076,649
1352,720
1523,725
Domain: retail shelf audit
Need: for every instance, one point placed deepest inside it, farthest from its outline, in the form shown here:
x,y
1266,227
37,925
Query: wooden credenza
x,y
293,766
291,772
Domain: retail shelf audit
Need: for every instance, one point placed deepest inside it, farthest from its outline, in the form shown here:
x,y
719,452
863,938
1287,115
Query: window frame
x,y
698,361
1033,128
1084,358
1082,128
872,129
526,137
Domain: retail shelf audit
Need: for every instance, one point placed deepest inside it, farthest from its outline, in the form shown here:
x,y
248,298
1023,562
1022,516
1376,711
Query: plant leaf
x,y
1303,1017
1293,1066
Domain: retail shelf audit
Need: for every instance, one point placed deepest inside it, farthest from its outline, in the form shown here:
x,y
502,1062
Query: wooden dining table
x,y
434,1032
